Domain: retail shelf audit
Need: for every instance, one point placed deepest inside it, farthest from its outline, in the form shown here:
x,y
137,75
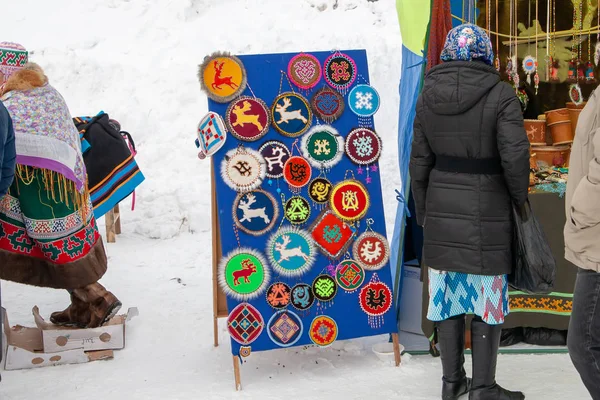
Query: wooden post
x,y
111,236
468,339
117,219
396,349
236,373
219,299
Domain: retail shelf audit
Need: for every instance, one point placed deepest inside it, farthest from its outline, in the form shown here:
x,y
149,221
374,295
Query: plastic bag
x,y
534,267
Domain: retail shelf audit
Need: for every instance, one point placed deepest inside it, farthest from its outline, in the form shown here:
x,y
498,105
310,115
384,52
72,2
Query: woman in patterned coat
x,y
469,166
48,235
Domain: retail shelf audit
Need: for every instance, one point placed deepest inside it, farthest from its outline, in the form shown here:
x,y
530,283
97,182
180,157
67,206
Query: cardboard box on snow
x,y
48,344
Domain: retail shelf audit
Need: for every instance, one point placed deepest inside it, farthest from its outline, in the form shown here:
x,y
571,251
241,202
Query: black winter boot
x,y
451,338
485,341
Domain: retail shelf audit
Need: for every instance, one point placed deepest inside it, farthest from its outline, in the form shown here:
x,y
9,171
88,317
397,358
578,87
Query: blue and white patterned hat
x,y
468,42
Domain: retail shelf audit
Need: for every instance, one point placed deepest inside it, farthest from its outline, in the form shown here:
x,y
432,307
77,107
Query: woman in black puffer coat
x,y
469,162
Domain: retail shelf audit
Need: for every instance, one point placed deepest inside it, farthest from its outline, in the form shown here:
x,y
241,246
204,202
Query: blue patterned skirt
x,y
455,293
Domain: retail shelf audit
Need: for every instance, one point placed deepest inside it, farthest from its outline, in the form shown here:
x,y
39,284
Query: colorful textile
x,y
456,293
48,236
13,57
468,42
440,24
113,173
44,133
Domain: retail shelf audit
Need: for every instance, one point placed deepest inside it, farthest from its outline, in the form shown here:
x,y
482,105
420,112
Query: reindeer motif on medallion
x,y
287,116
285,254
218,80
250,213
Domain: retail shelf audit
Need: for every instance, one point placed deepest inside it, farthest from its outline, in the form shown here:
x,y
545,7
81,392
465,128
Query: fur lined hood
x,y
31,76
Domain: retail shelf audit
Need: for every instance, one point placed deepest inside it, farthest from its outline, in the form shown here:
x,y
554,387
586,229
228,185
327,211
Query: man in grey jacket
x,y
582,245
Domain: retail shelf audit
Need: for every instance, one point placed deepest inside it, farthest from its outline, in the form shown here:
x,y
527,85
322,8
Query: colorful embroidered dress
x,y
48,236
456,293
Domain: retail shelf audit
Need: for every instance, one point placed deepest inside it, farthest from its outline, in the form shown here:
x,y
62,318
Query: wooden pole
x,y
236,373
215,255
110,227
396,349
117,219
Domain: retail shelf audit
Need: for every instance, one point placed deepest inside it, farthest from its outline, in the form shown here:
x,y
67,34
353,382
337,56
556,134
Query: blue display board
x,y
264,77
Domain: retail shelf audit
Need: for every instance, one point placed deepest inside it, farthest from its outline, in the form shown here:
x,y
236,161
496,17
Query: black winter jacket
x,y
466,113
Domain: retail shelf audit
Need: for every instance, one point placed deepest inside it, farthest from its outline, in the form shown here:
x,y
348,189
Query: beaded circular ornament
x,y
243,169
363,100
248,118
255,212
340,71
323,146
375,299
304,70
222,76
285,328
297,210
291,251
302,296
371,250
327,104
319,190
297,172
363,146
275,154
278,295
323,331
291,113
324,288
349,275
245,324
243,274
349,200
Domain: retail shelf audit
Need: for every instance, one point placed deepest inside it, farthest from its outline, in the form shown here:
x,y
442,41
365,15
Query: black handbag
x,y
534,267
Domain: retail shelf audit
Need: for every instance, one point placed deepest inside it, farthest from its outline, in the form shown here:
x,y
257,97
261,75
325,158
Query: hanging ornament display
x,y
304,70
255,212
297,210
319,190
243,274
340,71
349,275
297,173
248,118
323,146
212,135
291,251
530,67
364,101
323,331
275,154
245,351
375,300
363,146
278,295
302,297
324,288
222,76
349,200
327,104
589,72
575,94
243,169
497,49
245,324
371,250
292,115
285,328
331,234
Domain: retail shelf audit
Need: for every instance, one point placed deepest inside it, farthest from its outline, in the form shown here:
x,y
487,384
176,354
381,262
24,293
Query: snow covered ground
x,y
137,60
